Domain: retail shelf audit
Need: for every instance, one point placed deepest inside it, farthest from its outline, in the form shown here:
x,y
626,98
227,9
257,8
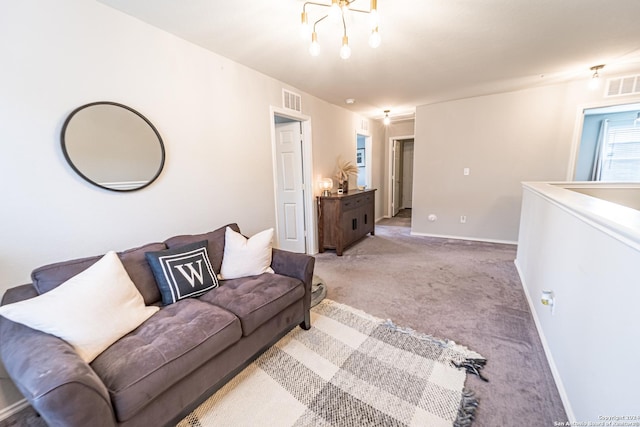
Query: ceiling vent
x,y
621,86
364,126
291,101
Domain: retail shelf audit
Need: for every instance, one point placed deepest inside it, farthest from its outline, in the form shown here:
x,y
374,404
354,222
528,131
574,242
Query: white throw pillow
x,y
90,311
246,257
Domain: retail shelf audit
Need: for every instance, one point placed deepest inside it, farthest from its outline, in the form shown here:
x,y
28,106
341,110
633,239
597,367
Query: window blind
x,y
621,153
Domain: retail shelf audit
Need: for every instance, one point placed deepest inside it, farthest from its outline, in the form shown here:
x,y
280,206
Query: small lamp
x,y
387,119
326,184
594,83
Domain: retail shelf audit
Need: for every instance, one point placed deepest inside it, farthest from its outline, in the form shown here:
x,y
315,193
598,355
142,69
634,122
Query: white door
x,y
290,191
407,173
397,177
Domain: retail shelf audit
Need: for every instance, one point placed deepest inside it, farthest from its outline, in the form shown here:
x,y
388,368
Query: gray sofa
x,y
166,367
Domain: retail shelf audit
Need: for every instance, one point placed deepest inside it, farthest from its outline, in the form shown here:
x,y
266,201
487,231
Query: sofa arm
x,y
301,267
60,386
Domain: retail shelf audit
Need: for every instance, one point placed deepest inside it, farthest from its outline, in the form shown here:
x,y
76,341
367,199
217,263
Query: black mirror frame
x,y
76,170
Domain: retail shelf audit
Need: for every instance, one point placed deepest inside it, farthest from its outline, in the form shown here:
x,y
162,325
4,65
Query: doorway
x,y
401,151
292,166
363,160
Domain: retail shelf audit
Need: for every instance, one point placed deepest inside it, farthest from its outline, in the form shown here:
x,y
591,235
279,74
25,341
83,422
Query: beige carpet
x,y
466,291
349,369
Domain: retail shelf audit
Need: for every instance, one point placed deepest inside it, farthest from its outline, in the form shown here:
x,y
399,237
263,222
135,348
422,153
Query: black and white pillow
x,y
182,272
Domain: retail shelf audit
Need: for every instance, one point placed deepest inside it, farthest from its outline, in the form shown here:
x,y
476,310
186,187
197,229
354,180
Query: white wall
x,y
587,252
212,113
503,139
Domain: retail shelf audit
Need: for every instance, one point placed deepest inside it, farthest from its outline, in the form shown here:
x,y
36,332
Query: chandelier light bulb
x,y
305,28
314,49
335,12
345,50
374,38
386,119
374,18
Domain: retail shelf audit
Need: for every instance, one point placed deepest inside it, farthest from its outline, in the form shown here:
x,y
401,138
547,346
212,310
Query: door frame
x,y
404,171
368,156
389,180
307,175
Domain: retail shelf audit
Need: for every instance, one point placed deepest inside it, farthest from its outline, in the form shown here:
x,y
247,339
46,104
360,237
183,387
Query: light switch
x,y
465,171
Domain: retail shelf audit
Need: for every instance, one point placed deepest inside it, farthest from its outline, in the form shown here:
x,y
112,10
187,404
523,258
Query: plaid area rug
x,y
350,369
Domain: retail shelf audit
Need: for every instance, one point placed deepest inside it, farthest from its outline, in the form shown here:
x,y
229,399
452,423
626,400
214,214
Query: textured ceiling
x,y
432,50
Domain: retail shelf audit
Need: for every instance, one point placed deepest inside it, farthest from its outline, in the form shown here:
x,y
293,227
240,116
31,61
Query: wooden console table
x,y
345,218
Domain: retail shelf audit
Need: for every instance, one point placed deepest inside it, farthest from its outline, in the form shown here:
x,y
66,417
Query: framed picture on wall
x,y
360,157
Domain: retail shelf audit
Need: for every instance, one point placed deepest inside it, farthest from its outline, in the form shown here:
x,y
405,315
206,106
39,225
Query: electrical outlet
x,y
466,171
463,219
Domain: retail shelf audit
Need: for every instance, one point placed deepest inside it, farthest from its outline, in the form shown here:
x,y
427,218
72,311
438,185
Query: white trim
x,y
307,158
473,239
547,351
13,409
368,155
579,122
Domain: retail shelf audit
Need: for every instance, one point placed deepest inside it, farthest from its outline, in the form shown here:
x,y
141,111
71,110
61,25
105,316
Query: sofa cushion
x,y
51,276
183,272
163,350
215,243
256,299
90,311
246,256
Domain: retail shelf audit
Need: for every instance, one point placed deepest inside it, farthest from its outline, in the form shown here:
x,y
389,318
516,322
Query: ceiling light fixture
x,y
386,119
594,83
338,11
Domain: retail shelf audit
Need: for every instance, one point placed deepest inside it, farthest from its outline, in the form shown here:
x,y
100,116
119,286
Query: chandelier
x,y
338,10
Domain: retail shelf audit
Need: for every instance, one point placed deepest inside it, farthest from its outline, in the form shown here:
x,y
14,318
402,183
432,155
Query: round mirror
x,y
112,146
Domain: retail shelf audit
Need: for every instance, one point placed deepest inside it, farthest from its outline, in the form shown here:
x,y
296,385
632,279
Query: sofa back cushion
x,y
215,245
51,276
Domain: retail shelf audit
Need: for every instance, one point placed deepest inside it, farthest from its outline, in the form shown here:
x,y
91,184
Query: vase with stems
x,y
344,170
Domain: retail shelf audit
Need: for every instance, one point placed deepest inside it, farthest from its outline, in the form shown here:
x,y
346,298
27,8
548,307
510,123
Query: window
x,y
619,158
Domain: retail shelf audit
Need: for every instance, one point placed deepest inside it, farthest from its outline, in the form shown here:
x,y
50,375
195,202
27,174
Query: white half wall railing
x,y
585,251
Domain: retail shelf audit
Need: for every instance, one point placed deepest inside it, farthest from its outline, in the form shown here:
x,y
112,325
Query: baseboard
x,y
473,239
13,409
547,351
